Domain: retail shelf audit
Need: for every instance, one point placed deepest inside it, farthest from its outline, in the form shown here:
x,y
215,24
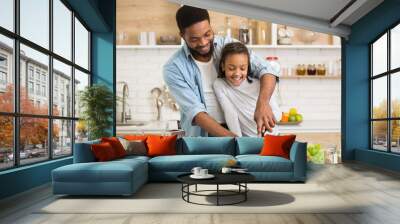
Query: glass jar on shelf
x,y
228,27
301,69
244,36
321,69
311,69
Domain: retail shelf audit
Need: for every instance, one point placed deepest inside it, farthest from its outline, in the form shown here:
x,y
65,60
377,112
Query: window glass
x,y
6,142
81,82
62,138
6,74
7,14
81,131
379,97
39,62
395,95
379,135
34,21
33,139
395,47
62,91
395,136
81,45
379,55
62,29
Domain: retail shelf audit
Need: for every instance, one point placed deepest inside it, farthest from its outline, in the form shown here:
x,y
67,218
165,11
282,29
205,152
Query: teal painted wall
x,y
103,53
24,178
355,86
99,15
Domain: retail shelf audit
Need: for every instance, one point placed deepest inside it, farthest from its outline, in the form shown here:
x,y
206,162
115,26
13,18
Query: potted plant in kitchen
x,y
96,103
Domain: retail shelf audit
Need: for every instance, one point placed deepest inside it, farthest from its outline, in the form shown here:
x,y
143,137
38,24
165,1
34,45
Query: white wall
x,y
316,99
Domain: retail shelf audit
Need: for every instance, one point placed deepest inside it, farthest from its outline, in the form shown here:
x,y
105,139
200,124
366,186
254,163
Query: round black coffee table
x,y
238,179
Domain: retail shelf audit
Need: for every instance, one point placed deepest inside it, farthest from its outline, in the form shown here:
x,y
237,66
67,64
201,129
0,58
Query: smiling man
x,y
191,71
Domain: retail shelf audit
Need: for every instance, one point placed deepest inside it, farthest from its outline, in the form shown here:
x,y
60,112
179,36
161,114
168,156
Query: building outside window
x,y
37,75
43,78
3,71
30,72
30,87
43,90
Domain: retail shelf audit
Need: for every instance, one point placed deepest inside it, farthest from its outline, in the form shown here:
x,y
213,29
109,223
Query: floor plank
x,y
376,189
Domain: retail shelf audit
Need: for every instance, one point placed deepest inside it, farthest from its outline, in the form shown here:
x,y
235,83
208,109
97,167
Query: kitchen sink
x,y
133,123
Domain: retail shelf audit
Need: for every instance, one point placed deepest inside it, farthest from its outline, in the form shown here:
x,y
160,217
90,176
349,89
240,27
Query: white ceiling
x,y
316,15
321,9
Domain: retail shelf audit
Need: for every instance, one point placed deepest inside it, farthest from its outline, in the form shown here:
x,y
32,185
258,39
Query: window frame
x,y
389,73
16,114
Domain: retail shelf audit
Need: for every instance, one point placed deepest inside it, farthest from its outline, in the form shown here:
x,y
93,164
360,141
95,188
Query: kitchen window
x,y
384,91
46,44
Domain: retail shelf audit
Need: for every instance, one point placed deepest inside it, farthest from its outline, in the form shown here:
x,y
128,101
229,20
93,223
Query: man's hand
x,y
211,126
263,115
264,118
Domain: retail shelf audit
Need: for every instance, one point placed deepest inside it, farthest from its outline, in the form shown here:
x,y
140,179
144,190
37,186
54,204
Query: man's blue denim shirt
x,y
184,80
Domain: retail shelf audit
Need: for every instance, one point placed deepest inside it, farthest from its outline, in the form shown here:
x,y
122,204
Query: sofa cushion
x,y
277,145
83,152
257,163
134,147
249,145
132,158
112,171
116,145
208,145
135,137
103,152
185,163
161,145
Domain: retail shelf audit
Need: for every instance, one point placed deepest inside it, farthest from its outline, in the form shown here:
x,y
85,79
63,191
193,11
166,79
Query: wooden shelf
x,y
148,46
296,47
312,77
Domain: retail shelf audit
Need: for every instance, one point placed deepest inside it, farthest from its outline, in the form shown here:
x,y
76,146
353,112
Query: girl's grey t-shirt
x,y
239,104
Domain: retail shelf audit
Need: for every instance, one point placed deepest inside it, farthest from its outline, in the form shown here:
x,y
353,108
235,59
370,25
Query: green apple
x,y
299,117
292,118
292,111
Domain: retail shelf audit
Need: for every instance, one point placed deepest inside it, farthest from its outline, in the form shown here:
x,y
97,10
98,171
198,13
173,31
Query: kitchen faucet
x,y
125,93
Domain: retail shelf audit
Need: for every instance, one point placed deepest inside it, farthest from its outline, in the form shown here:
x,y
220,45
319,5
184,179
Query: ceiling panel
x,y
321,9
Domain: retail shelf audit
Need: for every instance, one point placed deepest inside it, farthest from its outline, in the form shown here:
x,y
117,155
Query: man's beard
x,y
196,54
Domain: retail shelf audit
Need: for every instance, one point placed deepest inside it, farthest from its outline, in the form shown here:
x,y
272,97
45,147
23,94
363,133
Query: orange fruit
x,y
285,117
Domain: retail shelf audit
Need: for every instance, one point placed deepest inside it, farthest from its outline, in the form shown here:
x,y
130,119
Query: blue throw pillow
x,y
208,145
249,145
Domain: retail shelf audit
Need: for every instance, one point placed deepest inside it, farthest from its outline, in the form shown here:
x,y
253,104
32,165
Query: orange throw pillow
x,y
116,145
103,152
277,145
161,145
135,137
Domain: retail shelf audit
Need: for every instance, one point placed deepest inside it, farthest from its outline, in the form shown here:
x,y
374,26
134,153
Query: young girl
x,y
237,93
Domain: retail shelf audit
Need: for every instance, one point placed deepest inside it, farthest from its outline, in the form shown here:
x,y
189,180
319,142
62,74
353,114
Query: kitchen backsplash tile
x,y
316,99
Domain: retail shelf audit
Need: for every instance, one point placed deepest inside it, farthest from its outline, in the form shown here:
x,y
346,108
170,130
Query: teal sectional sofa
x,y
125,176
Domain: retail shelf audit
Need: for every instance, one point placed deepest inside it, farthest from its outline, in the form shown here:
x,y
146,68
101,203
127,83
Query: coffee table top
x,y
220,178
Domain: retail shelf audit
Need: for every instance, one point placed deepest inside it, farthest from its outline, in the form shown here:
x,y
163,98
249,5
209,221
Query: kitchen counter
x,y
309,126
168,127
150,127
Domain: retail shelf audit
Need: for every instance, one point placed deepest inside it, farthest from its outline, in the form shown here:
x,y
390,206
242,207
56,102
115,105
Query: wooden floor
x,y
377,188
